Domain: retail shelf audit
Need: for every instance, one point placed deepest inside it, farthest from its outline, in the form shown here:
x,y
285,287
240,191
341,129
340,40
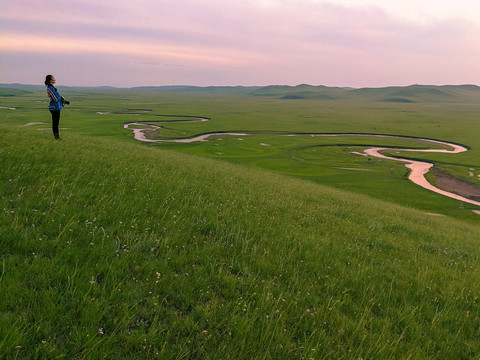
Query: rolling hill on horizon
x,y
407,94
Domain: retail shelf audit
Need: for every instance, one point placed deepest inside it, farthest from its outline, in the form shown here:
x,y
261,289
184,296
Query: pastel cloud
x,y
252,42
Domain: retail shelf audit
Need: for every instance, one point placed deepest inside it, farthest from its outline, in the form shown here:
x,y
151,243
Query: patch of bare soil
x,y
448,182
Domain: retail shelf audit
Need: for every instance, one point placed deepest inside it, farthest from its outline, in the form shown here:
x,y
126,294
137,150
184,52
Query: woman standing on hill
x,y
56,103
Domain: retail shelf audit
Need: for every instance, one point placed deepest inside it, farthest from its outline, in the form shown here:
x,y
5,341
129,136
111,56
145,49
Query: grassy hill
x,y
396,94
111,249
406,94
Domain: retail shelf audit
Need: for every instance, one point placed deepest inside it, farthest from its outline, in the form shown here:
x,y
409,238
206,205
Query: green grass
x,y
113,249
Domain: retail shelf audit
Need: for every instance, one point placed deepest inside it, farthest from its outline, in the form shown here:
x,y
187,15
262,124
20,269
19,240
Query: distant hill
x,y
187,88
303,91
421,93
18,89
398,94
12,92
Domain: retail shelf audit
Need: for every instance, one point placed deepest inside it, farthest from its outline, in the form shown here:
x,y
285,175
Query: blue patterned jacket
x,y
56,100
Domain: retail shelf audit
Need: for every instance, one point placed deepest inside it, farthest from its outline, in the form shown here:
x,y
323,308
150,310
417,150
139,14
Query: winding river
x,y
418,168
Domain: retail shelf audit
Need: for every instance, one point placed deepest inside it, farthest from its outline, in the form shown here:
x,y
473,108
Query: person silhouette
x,y
56,103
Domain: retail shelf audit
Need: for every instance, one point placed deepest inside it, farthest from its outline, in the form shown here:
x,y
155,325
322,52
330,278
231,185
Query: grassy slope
x,y
115,250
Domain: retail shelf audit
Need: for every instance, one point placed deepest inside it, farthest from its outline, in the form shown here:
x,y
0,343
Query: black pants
x,y
55,122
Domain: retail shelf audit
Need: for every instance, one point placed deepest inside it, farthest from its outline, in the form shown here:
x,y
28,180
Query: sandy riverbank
x,y
420,168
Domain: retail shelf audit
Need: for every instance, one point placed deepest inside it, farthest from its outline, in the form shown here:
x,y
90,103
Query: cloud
x,y
41,44
259,41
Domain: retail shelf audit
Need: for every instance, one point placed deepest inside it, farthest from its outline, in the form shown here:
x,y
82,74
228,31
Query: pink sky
x,y
358,43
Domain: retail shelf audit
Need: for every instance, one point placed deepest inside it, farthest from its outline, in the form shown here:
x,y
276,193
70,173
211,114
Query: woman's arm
x,y
52,94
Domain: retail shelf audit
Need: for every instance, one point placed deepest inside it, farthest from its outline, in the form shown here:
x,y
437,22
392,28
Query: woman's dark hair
x,y
48,79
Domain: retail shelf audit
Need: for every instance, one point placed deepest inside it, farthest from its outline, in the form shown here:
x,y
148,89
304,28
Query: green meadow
x,y
263,246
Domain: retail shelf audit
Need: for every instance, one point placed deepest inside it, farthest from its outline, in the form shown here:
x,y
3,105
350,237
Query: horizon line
x,y
240,86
